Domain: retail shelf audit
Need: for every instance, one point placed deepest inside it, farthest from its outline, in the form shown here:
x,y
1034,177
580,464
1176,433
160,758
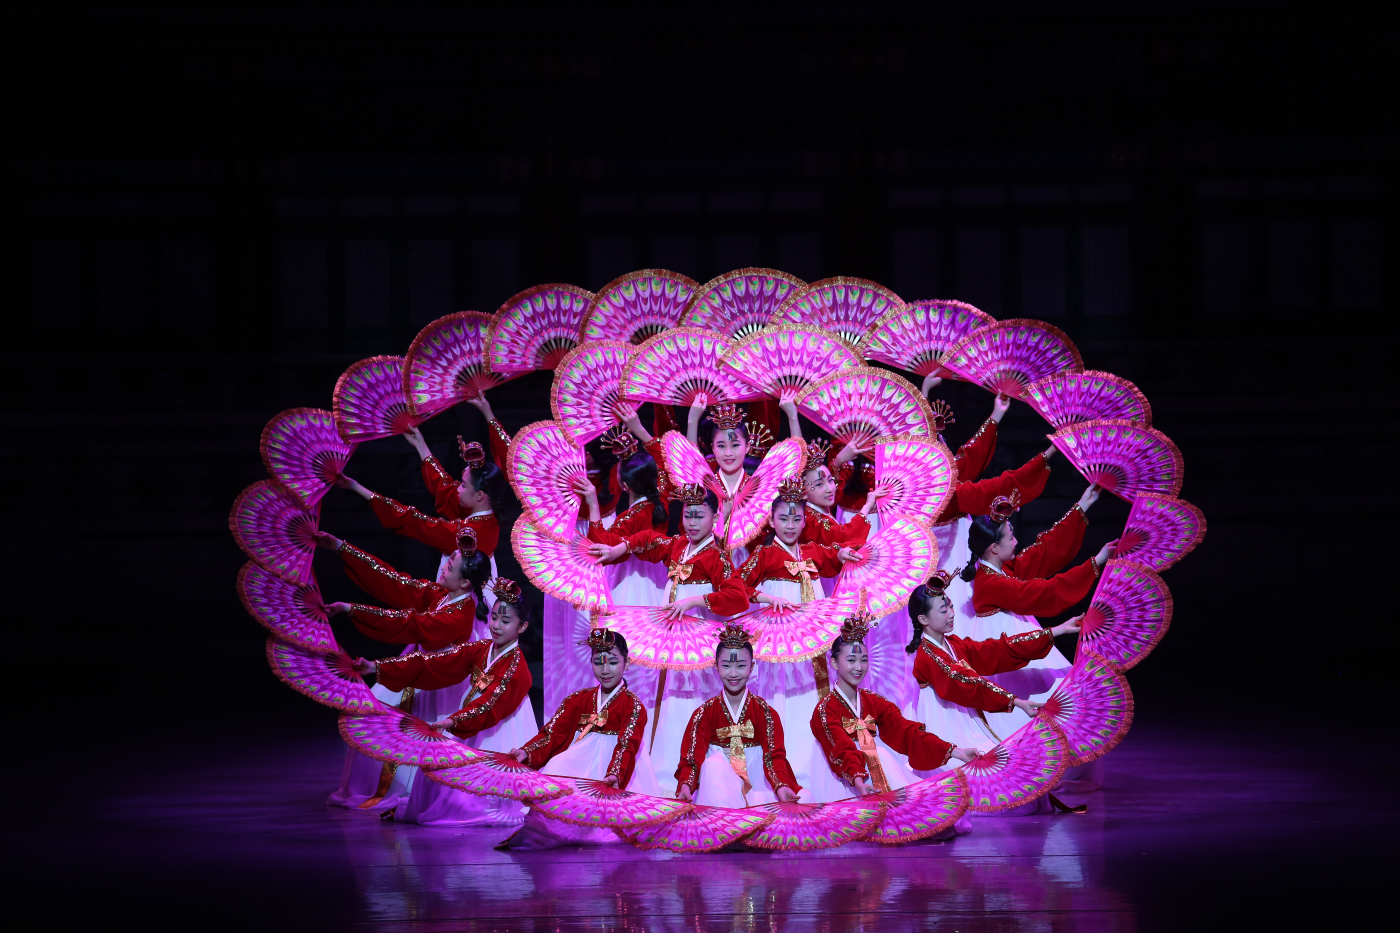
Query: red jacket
x,y
833,725
767,733
623,716
975,498
424,612
440,533
444,486
1022,587
773,562
821,528
957,677
708,565
495,692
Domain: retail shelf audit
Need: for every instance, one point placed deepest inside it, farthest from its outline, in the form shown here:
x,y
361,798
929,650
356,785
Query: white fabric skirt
x,y
1036,681
960,726
433,804
685,691
827,785
721,787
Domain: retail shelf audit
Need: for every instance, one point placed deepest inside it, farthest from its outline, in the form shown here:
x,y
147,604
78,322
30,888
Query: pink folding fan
x,y
684,644
918,476
276,530
536,328
543,466
801,632
1122,456
674,367
369,402
562,569
588,389
918,811
295,614
915,337
638,305
446,363
739,302
754,499
897,558
389,734
1025,766
326,677
496,774
600,805
1092,706
863,403
700,829
781,361
1007,356
1160,530
1065,398
847,307
1128,614
803,827
303,451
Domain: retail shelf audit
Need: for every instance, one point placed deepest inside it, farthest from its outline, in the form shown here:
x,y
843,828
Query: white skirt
x,y
432,804
827,785
960,726
685,691
721,787
1036,681
790,688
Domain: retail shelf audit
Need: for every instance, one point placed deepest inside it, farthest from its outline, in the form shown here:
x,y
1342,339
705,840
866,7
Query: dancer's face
x,y
450,576
506,623
788,519
609,667
821,487
939,617
468,496
851,663
1005,548
698,521
729,447
735,665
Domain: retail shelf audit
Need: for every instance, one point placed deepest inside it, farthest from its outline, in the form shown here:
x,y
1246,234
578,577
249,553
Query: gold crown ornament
x,y
690,494
817,452
942,415
726,417
1003,507
600,639
938,581
760,438
792,489
506,590
734,635
621,442
466,540
472,454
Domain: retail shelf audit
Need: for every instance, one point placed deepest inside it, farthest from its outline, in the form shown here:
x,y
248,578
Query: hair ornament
x,y
621,442
726,417
734,635
817,452
472,454
600,639
942,415
506,590
466,540
690,494
1003,507
855,627
792,489
938,581
760,438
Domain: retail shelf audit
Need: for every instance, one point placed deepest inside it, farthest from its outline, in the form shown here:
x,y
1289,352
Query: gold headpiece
x,y
506,590
938,582
733,635
622,442
942,415
726,417
600,639
466,540
472,454
817,452
854,628
792,489
1003,507
760,438
690,494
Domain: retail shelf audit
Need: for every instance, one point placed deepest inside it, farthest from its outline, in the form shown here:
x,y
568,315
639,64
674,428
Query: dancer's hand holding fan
x,y
1020,769
1092,706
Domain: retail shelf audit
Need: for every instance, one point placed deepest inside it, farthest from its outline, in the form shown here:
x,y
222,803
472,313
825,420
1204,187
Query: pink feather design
x,y
496,774
1092,706
369,402
274,529
897,558
588,389
917,475
675,367
326,677
740,302
562,569
802,827
847,307
1122,456
1025,766
916,337
1065,398
863,403
918,811
534,329
543,466
782,361
1007,356
295,614
596,804
1129,613
700,829
638,305
303,451
684,644
800,633
446,363
389,734
1160,530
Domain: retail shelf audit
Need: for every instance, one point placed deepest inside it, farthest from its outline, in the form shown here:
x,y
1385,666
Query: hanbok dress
x,y
591,735
869,739
722,753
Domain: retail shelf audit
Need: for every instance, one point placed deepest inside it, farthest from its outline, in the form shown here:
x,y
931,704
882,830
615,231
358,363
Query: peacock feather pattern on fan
x,y
1122,456
637,306
676,367
917,336
1065,398
847,307
1160,530
1092,706
863,403
534,329
294,613
303,451
1128,614
446,363
328,677
1007,356
543,467
562,569
275,530
369,401
781,361
587,389
1016,772
740,302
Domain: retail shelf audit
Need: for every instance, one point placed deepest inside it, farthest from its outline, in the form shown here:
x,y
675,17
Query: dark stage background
x,y
210,211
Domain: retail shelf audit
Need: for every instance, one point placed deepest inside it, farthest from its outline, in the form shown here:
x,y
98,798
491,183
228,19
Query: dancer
x,y
865,739
820,488
699,578
1010,589
738,735
495,713
596,733
951,671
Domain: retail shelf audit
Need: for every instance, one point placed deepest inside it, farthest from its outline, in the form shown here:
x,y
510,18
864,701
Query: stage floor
x,y
1191,832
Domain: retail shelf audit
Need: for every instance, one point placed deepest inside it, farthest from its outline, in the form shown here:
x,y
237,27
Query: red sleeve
x,y
432,670
629,740
822,529
1029,480
925,750
755,569
993,591
973,456
385,583
663,419
500,443
840,749
952,683
663,476
401,519
432,628
1052,549
729,597
853,501
695,744
769,732
1006,653
558,732
508,686
444,488
824,556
